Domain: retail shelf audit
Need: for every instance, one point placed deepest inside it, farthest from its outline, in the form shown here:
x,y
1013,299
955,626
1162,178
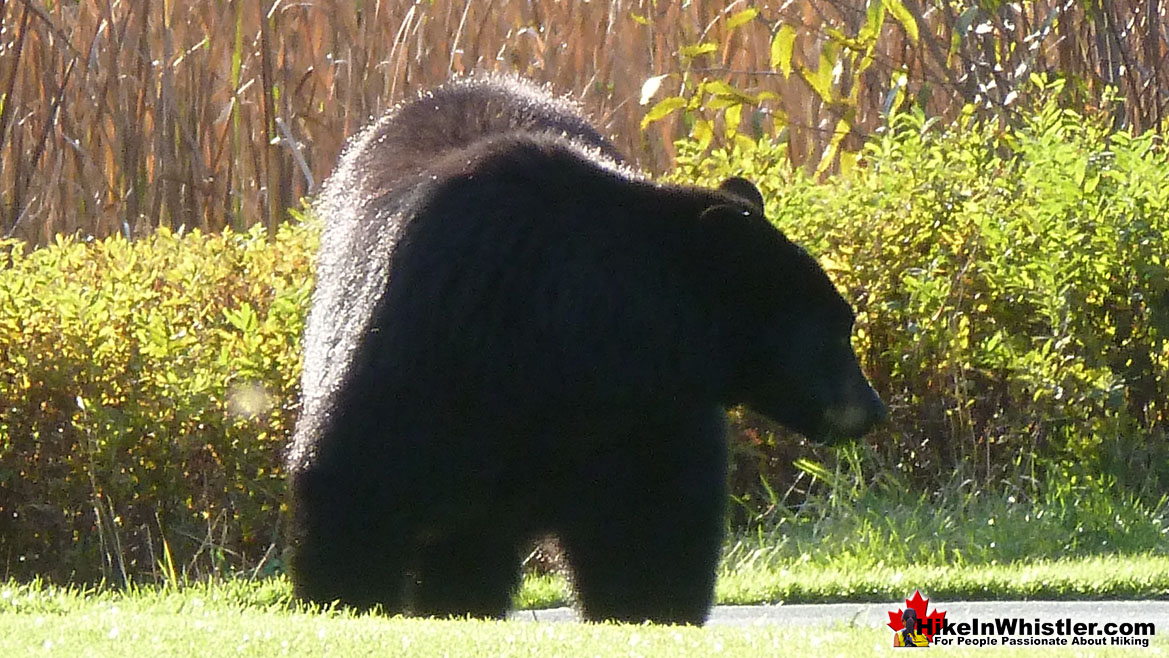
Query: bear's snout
x,y
857,413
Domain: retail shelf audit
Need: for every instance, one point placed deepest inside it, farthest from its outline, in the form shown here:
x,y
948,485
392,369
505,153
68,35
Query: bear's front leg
x,y
645,539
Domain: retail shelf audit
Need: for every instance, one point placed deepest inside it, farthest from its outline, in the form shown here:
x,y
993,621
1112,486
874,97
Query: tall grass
x,y
858,514
116,117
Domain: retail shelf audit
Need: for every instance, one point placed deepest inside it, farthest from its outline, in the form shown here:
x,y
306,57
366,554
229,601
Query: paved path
x,y
876,614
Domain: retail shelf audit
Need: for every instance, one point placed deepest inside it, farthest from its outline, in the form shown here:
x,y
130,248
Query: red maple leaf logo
x,y
931,623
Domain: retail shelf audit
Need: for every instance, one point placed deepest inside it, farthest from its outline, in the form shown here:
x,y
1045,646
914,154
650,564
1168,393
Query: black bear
x,y
514,334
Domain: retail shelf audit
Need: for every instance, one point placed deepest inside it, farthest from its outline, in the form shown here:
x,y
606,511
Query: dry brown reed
x,y
119,116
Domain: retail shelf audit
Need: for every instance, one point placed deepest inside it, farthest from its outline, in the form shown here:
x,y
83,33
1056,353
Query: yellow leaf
x,y
847,162
698,50
720,88
820,81
874,21
782,47
663,109
745,16
828,264
744,143
703,133
843,127
731,118
904,17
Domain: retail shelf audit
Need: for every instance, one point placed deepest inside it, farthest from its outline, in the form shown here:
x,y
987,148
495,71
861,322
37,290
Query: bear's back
x,y
392,168
408,139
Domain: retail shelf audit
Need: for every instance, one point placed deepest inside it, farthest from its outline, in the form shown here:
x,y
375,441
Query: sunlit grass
x,y
258,620
861,542
848,580
865,544
770,580
954,527
1106,577
845,547
806,558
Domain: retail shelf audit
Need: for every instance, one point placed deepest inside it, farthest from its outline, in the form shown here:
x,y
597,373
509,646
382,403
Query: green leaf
x,y
742,17
816,470
244,319
896,94
698,50
874,21
782,47
965,19
662,110
904,17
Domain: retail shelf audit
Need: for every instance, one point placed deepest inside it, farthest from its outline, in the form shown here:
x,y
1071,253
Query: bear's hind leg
x,y
344,549
467,574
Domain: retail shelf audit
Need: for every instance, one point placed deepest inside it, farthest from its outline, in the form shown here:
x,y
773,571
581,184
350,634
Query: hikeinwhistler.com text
x,y
1016,631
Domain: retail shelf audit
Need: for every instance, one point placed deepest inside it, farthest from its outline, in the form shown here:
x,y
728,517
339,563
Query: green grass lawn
x,y
1101,577
1116,577
260,618
846,546
256,619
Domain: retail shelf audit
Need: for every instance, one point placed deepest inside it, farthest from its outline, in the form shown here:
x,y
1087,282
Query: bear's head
x,y
787,328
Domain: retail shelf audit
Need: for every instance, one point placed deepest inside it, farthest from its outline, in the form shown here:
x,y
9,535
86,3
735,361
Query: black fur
x,y
513,335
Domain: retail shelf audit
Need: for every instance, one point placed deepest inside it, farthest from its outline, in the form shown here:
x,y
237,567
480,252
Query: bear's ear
x,y
743,189
739,252
733,225
737,239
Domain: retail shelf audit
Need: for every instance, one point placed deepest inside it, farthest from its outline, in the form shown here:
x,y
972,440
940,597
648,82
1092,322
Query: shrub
x,y
146,391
